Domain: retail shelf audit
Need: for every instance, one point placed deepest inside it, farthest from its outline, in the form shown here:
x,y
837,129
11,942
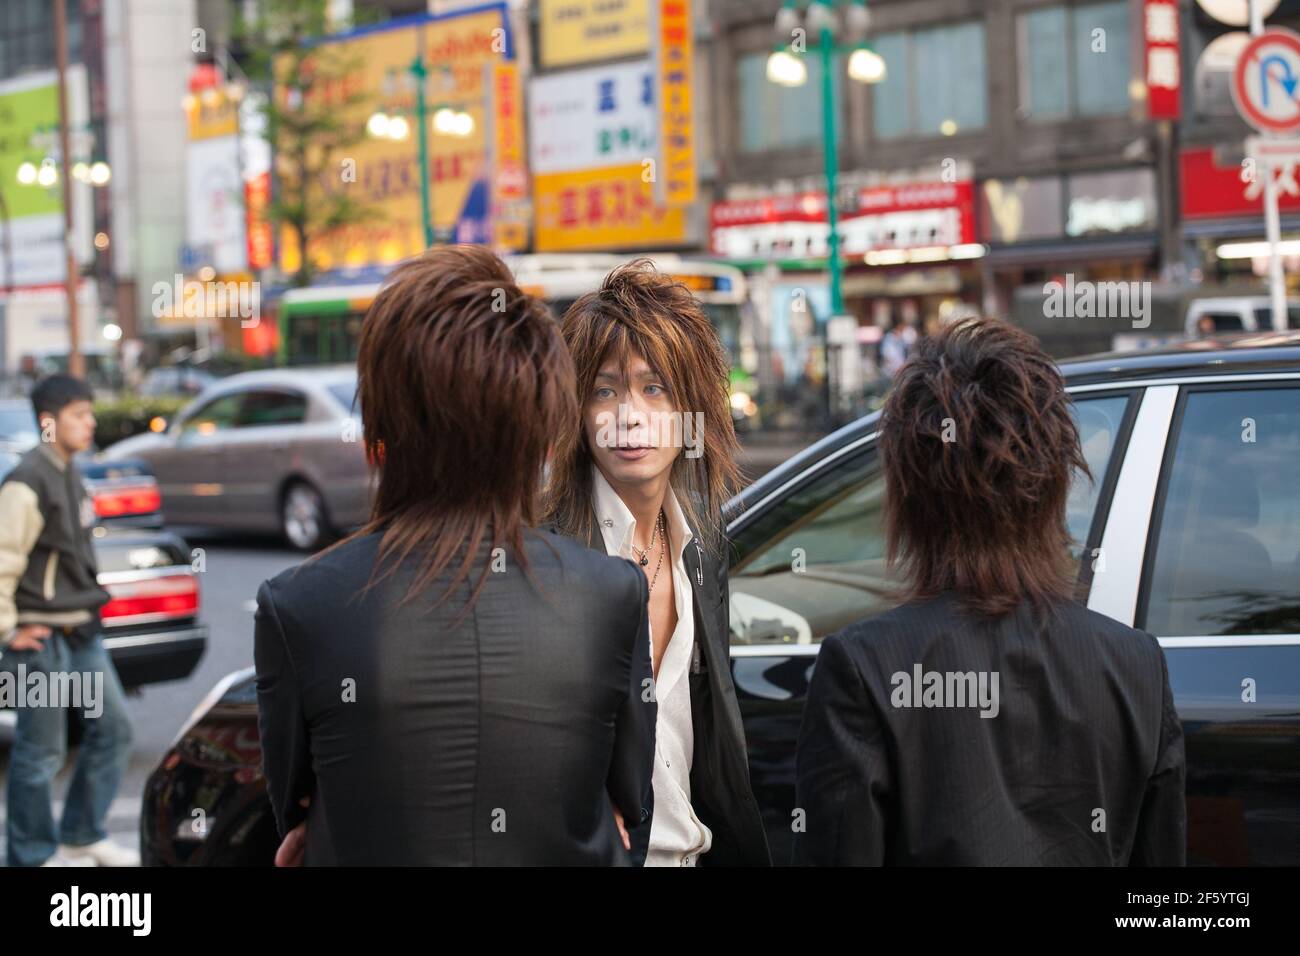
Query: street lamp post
x,y
865,66
426,213
446,120
830,146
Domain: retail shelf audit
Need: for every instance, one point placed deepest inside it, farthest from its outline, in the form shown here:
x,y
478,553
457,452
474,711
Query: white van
x,y
1238,314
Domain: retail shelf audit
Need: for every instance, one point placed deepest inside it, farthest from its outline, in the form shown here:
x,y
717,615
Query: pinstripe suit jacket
x,y
929,737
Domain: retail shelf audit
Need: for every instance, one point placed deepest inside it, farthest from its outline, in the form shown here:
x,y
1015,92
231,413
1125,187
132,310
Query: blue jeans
x,y
40,748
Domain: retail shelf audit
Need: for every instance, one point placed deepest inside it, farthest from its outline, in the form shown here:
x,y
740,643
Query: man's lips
x,y
632,452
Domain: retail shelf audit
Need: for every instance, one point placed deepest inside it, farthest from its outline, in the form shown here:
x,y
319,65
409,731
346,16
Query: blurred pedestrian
x,y
896,346
990,719
642,473
448,685
49,628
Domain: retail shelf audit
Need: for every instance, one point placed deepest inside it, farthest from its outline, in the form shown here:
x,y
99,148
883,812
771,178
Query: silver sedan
x,y
274,450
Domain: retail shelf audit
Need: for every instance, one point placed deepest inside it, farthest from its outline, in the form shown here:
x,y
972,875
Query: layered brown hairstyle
x,y
640,311
979,445
463,381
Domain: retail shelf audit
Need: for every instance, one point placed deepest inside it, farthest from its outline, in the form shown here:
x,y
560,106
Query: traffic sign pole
x,y
1272,219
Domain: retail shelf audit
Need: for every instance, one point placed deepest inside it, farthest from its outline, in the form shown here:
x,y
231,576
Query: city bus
x,y
320,325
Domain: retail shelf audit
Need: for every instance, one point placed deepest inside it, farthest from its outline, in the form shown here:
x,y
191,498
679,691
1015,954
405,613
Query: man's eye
x,y
604,393
654,390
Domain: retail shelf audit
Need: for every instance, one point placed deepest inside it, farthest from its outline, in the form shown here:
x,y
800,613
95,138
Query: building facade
x,y
1006,146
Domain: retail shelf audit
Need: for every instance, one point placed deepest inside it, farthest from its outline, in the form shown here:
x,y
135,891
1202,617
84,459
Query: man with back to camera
x,y
991,719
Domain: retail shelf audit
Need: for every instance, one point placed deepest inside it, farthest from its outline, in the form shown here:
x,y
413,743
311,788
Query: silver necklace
x,y
644,556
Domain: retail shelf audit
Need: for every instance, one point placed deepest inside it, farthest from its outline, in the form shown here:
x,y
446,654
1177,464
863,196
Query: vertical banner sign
x,y
673,57
509,172
214,212
257,200
1161,59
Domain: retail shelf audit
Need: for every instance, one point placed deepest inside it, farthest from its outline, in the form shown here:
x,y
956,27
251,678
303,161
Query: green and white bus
x,y
320,325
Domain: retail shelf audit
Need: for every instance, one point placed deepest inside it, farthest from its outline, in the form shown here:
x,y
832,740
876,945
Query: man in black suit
x,y
448,685
990,719
643,474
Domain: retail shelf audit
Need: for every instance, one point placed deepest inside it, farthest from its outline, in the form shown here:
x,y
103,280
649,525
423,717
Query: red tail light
x,y
153,599
129,500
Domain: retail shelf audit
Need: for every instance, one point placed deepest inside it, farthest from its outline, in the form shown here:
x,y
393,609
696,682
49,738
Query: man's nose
x,y
636,413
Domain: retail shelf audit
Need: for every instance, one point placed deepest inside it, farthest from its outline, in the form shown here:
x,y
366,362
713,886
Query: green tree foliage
x,y
316,114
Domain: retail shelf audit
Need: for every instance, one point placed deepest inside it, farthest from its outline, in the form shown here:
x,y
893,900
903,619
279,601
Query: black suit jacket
x,y
497,739
1082,764
721,794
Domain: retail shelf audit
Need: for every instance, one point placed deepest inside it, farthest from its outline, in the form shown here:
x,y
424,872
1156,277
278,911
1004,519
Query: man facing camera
x,y
49,625
643,474
990,719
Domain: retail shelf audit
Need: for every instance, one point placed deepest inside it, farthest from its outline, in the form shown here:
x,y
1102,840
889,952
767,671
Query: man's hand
x,y
29,637
294,846
622,830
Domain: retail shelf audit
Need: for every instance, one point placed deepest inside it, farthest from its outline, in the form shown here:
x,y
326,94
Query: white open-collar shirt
x,y
677,837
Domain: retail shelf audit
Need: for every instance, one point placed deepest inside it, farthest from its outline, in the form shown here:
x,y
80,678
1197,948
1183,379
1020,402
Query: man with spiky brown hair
x,y
991,719
450,685
643,474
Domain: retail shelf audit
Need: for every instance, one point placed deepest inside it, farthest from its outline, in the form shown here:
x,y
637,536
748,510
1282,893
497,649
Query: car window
x,y
1227,551
1264,317
815,562
1225,321
273,408
1099,421
217,415
345,393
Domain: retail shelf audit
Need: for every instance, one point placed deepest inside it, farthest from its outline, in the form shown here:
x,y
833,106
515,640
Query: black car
x,y
1191,531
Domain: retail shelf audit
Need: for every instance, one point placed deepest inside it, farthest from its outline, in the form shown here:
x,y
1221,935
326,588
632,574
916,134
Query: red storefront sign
x,y
1161,59
803,207
257,197
1209,191
907,216
956,200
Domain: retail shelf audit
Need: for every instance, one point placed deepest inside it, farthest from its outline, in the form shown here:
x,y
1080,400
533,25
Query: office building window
x,y
782,117
27,36
1074,61
936,85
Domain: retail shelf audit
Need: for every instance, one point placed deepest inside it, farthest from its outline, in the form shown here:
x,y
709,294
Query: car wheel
x,y
303,519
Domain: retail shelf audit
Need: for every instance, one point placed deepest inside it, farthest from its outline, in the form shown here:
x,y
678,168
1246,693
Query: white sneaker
x,y
58,859
103,853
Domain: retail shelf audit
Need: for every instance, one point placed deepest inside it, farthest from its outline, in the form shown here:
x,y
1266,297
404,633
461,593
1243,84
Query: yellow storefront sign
x,y
610,208
583,31
674,60
457,49
211,114
510,168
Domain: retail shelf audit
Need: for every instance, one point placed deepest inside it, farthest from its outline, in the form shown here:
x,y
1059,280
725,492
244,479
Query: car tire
x,y
303,519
